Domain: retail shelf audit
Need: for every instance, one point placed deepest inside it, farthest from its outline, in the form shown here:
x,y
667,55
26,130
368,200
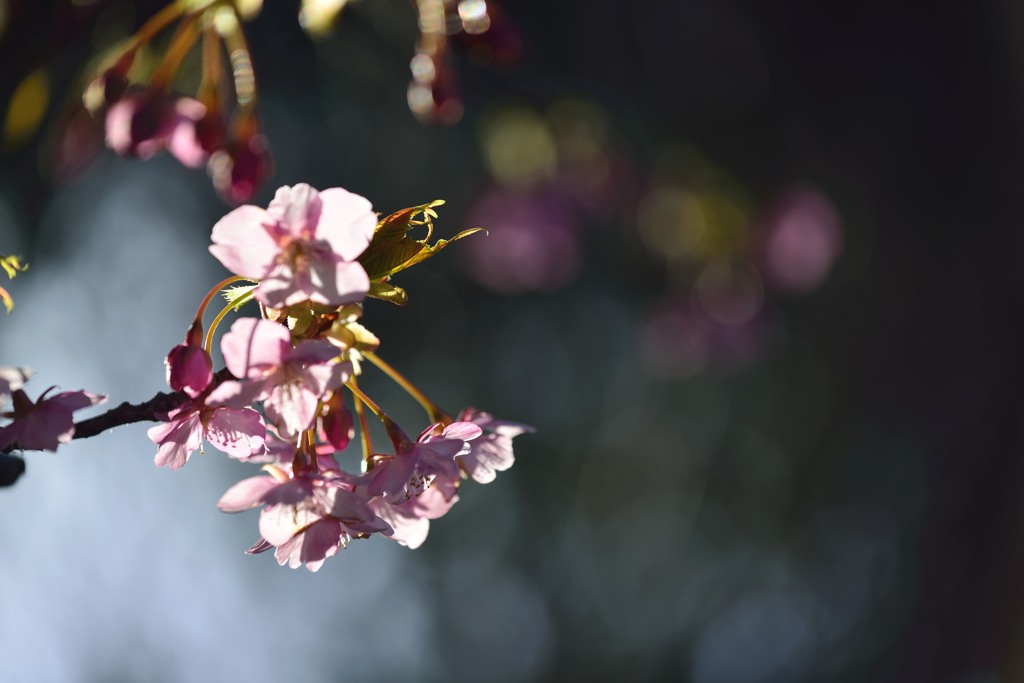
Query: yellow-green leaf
x,y
237,296
392,249
388,292
12,265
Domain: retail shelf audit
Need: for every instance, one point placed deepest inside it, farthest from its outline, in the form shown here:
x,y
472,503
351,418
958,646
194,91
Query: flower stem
x,y
435,413
364,429
213,67
183,40
213,326
311,450
213,292
398,437
158,22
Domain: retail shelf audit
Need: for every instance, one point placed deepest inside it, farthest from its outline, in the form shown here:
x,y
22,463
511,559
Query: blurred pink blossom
x,y
800,240
679,340
144,123
533,242
47,423
240,167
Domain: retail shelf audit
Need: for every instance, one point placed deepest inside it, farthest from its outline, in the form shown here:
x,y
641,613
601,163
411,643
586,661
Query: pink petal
x,y
297,209
281,287
355,513
311,351
491,453
74,400
336,283
463,431
243,244
436,501
320,379
246,494
44,426
488,456
184,143
407,529
312,546
253,347
32,435
177,440
291,407
10,434
347,222
390,478
49,422
278,523
291,493
239,433
237,395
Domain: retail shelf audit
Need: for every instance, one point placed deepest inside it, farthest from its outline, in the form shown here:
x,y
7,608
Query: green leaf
x,y
388,292
237,296
12,265
392,250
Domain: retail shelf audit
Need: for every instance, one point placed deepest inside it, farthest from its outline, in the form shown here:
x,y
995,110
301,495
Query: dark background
x,y
839,502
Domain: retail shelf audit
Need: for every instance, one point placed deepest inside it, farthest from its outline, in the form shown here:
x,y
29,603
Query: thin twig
x,y
153,410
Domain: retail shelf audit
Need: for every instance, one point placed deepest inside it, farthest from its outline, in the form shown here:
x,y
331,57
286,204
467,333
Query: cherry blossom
x,y
46,423
410,520
291,379
492,452
217,414
308,517
302,247
409,472
239,432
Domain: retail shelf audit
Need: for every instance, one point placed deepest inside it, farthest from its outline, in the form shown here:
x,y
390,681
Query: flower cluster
x,y
144,115
311,259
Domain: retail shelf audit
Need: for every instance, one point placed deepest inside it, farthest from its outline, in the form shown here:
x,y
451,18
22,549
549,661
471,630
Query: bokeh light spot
x,y
27,108
519,147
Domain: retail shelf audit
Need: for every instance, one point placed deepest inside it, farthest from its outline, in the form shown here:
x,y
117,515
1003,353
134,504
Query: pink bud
x,y
139,124
336,423
240,168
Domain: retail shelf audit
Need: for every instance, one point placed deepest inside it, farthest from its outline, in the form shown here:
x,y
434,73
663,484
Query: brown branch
x,y
153,410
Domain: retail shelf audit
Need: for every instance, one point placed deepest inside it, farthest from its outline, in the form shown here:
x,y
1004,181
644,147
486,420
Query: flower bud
x,y
240,168
109,87
140,124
